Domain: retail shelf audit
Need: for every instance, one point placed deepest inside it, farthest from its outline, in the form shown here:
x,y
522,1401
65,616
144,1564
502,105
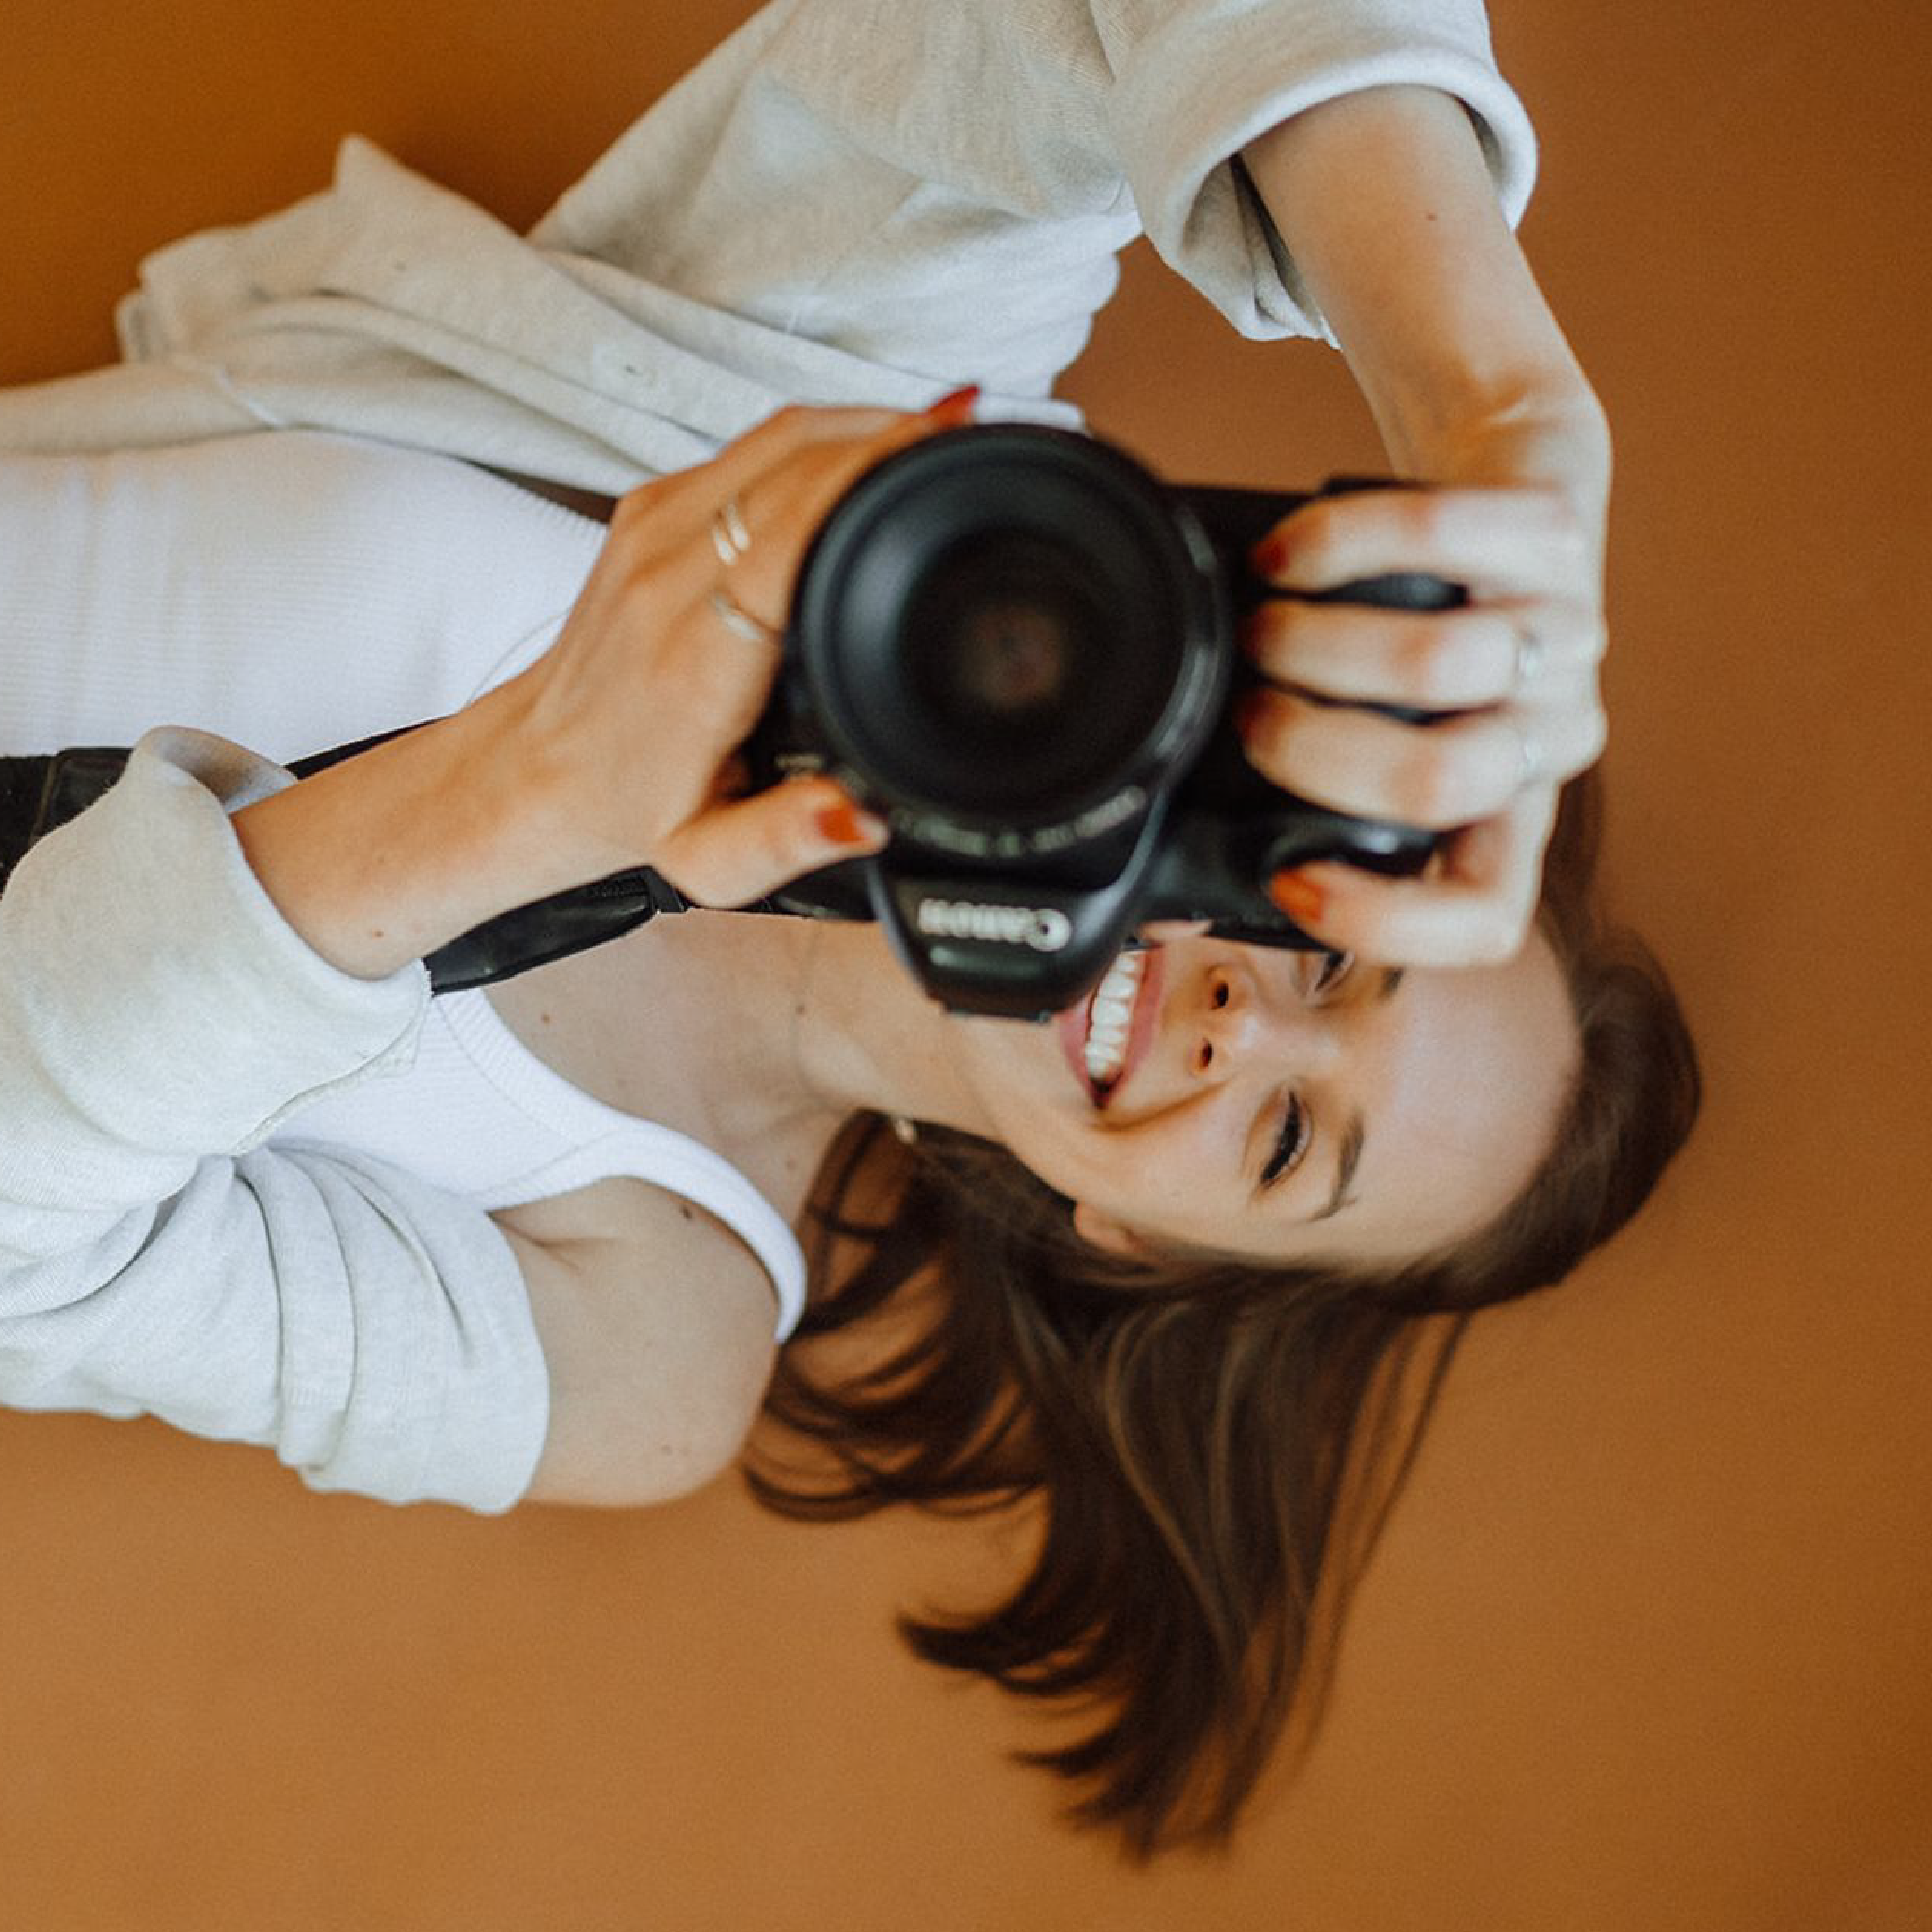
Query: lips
x,y
1073,1026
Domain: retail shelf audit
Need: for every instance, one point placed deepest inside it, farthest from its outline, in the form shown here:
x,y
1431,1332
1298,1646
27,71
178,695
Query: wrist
x,y
380,860
1559,441
1384,201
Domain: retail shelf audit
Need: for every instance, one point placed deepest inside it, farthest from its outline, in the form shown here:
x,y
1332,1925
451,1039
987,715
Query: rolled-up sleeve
x,y
158,1020
1193,85
944,188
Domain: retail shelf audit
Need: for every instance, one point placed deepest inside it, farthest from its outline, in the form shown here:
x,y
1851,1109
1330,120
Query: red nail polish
x,y
956,409
1301,898
838,824
1270,558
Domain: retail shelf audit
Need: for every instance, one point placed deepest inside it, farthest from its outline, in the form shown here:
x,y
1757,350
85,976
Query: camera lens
x,y
1001,641
1004,627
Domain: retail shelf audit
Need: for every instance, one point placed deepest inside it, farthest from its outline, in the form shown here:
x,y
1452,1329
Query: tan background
x,y
1645,1647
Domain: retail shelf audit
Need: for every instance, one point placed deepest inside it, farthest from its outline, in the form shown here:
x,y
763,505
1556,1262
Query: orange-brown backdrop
x,y
1645,1648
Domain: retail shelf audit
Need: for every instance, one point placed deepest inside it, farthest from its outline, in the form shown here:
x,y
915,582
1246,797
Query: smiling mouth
x,y
1105,1038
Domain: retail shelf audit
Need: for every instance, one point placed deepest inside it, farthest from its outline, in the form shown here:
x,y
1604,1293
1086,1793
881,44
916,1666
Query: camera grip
x,y
1398,590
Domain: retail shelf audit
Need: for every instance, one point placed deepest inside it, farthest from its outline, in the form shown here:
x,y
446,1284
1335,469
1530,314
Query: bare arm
x,y
656,1329
1384,201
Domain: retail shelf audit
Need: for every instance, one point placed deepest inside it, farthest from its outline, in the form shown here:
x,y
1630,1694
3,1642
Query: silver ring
x,y
729,536
746,625
1532,757
1528,654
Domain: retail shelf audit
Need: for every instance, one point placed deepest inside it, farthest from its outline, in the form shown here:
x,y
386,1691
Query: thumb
x,y
742,851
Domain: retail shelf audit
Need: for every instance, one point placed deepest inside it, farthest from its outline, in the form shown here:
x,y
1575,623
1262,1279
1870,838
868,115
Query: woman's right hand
x,y
629,726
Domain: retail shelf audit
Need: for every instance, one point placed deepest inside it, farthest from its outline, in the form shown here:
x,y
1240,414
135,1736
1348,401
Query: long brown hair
x,y
1193,1434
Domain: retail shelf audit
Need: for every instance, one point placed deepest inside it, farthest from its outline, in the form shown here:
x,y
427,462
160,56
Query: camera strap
x,y
39,794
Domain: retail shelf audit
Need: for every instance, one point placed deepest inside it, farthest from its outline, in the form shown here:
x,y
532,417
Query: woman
x,y
217,1209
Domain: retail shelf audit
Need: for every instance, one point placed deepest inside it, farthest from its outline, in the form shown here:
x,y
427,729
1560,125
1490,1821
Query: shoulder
x,y
657,1327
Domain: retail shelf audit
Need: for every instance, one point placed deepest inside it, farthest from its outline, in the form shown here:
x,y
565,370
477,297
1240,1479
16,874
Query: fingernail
x,y
957,408
844,824
1270,557
1300,897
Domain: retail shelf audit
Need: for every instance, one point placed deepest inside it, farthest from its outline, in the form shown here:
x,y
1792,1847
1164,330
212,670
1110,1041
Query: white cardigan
x,y
845,203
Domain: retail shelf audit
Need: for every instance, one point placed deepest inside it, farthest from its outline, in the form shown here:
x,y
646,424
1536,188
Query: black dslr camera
x,y
1017,646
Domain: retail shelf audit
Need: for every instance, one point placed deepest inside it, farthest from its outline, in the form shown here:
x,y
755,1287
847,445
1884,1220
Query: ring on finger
x,y
742,622
1531,747
1529,652
729,536
731,540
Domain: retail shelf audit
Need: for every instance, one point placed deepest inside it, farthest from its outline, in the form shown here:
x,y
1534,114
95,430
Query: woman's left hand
x,y
1516,668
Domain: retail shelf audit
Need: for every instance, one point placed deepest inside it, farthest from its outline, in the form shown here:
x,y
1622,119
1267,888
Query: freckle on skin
x,y
543,1019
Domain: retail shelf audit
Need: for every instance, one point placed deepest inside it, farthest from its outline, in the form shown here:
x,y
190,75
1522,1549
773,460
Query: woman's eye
x,y
1335,967
1292,1144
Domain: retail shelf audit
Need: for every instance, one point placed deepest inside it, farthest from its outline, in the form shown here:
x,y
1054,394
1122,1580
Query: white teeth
x,y
1109,1019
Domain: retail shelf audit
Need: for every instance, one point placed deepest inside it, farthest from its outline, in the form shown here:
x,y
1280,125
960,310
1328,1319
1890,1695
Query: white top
x,y
845,203
480,1116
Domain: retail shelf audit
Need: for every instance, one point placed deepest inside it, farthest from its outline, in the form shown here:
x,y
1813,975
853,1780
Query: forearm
x,y
381,858
1383,199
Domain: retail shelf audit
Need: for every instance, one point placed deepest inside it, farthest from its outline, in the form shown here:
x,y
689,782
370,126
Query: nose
x,y
1243,1021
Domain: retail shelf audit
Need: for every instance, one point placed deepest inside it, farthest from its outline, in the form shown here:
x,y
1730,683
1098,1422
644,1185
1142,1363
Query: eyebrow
x,y
1358,1130
1345,1170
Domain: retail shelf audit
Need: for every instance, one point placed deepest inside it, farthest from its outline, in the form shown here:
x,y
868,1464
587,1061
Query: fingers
x,y
781,480
650,687
1468,766
1531,639
739,850
1488,653
1512,676
784,477
1474,908
1498,542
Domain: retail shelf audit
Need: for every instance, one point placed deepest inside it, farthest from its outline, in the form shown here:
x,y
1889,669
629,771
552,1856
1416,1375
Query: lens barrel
x,y
1007,632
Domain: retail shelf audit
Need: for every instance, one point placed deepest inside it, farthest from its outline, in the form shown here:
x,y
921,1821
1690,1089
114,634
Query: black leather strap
x,y
598,509
37,794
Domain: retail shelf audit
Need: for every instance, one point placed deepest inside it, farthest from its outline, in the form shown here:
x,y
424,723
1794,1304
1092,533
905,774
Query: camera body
x,y
1017,646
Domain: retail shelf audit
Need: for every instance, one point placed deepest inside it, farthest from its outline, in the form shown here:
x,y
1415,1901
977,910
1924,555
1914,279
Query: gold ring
x,y
729,536
742,622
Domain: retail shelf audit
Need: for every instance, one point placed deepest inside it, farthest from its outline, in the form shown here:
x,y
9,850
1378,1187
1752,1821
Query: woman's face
x,y
1274,1108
